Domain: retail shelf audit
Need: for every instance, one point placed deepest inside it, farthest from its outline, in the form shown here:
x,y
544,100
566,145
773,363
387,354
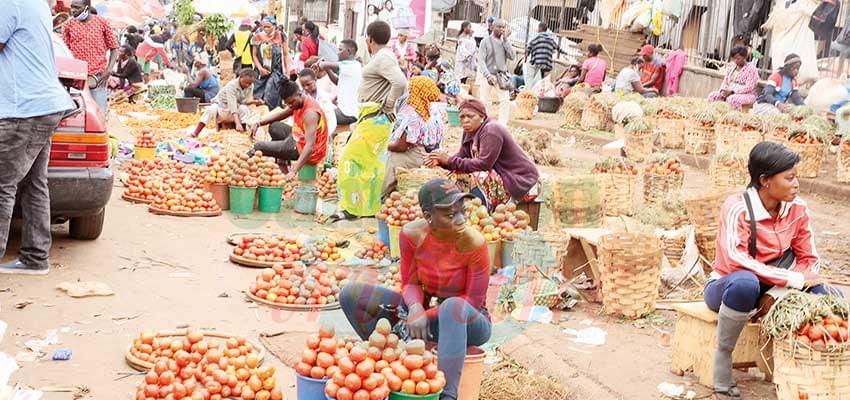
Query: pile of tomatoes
x,y
327,184
399,209
198,368
322,251
143,179
270,248
245,171
357,370
732,163
169,198
270,173
615,166
146,140
391,279
670,166
377,251
805,139
830,331
300,285
505,221
217,172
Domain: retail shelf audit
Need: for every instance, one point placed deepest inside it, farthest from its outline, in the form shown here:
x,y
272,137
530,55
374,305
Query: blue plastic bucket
x,y
384,233
309,388
305,200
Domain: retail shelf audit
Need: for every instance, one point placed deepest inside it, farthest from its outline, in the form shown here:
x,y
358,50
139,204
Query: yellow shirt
x,y
242,46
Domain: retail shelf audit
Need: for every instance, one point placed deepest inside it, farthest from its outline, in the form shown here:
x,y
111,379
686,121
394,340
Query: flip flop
x,y
732,393
340,216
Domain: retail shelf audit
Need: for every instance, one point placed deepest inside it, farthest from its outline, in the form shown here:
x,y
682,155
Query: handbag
x,y
786,261
504,81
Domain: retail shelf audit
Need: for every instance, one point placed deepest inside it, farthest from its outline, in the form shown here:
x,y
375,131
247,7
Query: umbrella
x,y
226,7
118,13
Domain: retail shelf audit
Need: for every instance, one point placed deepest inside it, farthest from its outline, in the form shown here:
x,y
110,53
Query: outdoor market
x,y
424,199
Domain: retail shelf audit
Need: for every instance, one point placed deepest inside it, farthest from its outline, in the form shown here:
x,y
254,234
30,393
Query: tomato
x,y
353,382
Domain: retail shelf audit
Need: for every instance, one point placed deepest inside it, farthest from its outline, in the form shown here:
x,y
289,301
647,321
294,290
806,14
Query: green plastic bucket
x,y
405,396
454,116
305,200
270,199
242,199
307,173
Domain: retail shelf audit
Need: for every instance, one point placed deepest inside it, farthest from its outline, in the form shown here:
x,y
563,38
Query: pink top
x,y
438,269
790,230
595,68
406,50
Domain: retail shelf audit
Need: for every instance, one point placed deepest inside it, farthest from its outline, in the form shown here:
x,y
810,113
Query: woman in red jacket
x,y
444,276
765,246
309,42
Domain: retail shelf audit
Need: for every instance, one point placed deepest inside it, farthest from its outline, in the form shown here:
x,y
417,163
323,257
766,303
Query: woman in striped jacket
x,y
765,246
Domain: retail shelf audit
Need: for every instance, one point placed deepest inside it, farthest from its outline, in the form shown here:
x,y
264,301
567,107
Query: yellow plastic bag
x,y
361,166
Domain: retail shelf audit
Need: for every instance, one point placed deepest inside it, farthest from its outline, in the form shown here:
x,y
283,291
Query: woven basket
x,y
699,139
544,250
415,178
572,116
803,373
655,187
811,156
674,249
724,178
672,132
842,173
777,135
618,193
726,138
525,108
573,201
630,269
638,148
593,118
704,214
746,141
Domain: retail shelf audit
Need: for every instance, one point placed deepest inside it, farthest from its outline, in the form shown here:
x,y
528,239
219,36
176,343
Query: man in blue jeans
x,y
32,102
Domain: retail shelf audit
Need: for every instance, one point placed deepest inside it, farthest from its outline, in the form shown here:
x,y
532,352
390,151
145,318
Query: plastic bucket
x,y
144,153
395,251
549,104
188,104
270,199
384,233
470,378
305,200
495,251
326,207
454,116
242,199
405,396
309,388
221,195
507,253
307,173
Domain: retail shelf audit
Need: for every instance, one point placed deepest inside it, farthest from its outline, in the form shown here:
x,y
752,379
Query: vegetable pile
x,y
245,171
615,165
270,248
503,224
327,184
146,140
376,251
270,173
175,198
169,120
730,161
218,170
813,321
199,368
322,250
300,285
399,209
391,279
663,165
639,127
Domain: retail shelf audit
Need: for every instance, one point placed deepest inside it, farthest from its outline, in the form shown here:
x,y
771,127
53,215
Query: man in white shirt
x,y
347,75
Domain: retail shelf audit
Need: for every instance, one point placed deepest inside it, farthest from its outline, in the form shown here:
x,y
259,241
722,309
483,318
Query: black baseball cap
x,y
440,193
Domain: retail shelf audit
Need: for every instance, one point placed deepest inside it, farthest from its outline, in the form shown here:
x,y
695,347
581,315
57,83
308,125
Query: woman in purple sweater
x,y
490,164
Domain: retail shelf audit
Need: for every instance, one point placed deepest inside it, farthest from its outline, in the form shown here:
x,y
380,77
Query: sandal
x,y
342,215
731,393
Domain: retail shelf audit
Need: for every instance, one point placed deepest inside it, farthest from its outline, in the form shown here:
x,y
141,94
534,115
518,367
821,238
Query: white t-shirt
x,y
350,76
625,79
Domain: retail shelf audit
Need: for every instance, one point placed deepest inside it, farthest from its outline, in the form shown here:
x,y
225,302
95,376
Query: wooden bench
x,y
695,341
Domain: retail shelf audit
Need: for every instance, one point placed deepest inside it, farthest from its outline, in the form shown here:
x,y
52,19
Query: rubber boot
x,y
730,323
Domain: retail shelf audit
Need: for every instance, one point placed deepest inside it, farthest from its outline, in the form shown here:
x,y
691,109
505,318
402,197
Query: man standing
x,y
89,37
493,56
383,80
541,51
347,75
32,103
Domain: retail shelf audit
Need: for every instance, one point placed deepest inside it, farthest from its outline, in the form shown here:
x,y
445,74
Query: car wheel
x,y
88,227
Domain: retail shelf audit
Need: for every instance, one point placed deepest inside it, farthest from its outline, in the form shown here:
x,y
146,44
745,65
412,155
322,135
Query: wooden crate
x,y
695,341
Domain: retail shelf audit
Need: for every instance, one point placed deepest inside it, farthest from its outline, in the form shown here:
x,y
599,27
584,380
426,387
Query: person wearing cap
x,y
652,71
781,94
490,162
443,262
240,42
405,51
203,83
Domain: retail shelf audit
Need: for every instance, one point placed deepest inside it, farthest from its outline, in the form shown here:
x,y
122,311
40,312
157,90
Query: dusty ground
x,y
169,272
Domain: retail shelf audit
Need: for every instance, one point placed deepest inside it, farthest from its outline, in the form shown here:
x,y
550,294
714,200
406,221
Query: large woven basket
x,y
803,373
704,215
656,187
842,173
726,138
699,139
618,193
672,132
811,157
746,141
572,116
723,178
777,135
638,147
674,248
572,201
525,108
630,269
593,118
545,250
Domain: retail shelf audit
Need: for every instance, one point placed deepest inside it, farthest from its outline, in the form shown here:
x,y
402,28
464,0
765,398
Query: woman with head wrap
x,y
490,164
271,57
780,93
415,132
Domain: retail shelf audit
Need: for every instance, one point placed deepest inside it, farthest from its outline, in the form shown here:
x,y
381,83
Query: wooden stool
x,y
695,341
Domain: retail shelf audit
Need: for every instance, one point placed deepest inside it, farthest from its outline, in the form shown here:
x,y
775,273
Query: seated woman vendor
x,y
781,94
739,86
415,132
490,163
751,270
444,278
306,142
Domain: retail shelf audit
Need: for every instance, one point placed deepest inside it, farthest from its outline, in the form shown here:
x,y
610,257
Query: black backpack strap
x,y
752,224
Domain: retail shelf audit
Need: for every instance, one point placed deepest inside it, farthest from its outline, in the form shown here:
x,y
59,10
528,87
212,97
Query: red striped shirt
x,y
790,230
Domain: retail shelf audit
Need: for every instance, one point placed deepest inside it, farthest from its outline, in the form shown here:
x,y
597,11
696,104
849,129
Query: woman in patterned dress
x,y
739,85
